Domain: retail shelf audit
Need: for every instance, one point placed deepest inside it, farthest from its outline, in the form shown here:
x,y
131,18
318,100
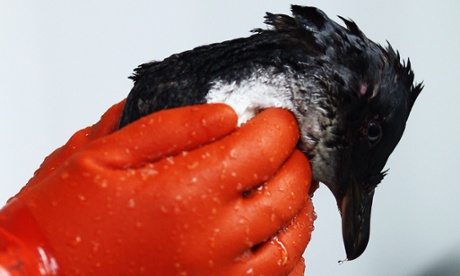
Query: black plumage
x,y
351,98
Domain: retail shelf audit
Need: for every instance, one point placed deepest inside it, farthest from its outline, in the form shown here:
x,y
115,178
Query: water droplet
x,y
81,197
95,246
283,250
341,262
148,172
131,203
205,155
104,183
76,241
65,175
131,172
192,166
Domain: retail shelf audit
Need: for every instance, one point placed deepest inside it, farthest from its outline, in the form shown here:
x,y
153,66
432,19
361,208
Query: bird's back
x,y
186,78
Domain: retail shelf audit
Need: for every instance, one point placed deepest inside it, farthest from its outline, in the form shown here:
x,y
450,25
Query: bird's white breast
x,y
248,96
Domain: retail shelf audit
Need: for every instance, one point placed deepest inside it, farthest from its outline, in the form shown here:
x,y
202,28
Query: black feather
x,y
335,81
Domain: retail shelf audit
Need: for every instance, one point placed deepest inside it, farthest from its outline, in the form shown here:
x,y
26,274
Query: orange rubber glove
x,y
181,191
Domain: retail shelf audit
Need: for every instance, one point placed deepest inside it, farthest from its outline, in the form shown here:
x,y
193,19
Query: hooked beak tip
x,y
355,209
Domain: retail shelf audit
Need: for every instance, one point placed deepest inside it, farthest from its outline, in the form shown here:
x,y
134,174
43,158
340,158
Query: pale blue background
x,y
63,63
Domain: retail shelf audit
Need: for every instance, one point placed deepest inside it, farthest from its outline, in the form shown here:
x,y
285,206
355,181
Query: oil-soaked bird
x,y
350,96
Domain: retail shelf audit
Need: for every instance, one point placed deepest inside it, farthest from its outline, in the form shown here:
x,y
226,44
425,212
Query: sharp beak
x,y
355,208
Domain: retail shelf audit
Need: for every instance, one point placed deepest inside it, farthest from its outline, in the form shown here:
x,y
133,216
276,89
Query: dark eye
x,y
374,132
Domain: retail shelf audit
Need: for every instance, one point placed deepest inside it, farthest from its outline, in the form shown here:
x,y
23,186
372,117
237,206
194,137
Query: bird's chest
x,y
248,96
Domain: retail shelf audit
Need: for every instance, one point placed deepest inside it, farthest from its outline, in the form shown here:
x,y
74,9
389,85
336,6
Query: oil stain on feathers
x,y
351,98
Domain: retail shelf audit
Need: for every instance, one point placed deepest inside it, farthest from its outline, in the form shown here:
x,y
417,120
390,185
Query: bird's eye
x,y
374,132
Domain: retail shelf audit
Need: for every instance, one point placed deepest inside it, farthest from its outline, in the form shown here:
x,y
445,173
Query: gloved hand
x,y
107,125
150,198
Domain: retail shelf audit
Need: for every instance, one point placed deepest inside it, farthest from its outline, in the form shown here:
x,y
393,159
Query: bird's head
x,y
365,99
373,127
351,97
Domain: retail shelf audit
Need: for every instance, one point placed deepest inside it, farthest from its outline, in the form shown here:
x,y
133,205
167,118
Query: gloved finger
x,y
273,206
227,168
298,233
284,251
260,215
299,269
106,125
108,122
164,133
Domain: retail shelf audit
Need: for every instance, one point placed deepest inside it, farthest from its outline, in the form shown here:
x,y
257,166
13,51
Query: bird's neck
x,y
303,97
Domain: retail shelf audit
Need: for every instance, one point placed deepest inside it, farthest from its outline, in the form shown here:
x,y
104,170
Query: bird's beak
x,y
355,208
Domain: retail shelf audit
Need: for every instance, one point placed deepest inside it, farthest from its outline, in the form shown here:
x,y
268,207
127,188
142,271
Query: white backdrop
x,y
63,63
